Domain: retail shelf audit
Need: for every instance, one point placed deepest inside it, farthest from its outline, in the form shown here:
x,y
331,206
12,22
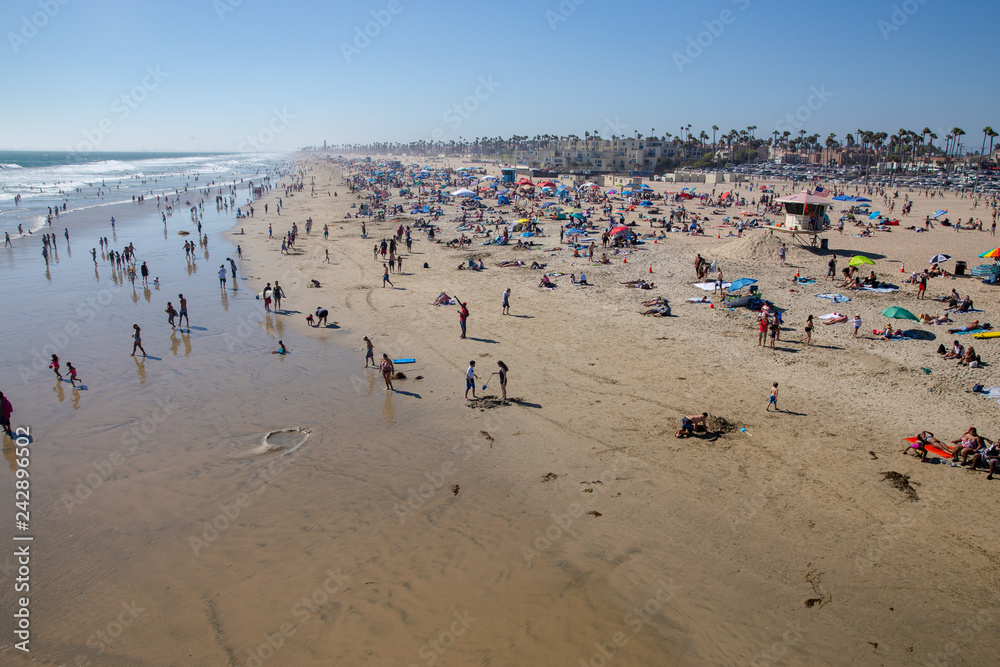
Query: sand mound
x,y
757,247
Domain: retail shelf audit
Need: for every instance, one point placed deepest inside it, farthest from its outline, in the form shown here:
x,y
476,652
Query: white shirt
x,y
471,373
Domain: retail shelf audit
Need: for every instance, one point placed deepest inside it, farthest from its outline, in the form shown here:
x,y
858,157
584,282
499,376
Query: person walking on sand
x,y
386,367
831,268
183,314
922,285
506,302
503,379
470,380
171,314
463,315
6,410
144,272
809,330
54,365
73,379
137,340
773,398
857,325
222,276
369,352
781,255
267,298
385,277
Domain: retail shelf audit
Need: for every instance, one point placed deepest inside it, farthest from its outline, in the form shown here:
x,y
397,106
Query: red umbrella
x,y
546,184
620,229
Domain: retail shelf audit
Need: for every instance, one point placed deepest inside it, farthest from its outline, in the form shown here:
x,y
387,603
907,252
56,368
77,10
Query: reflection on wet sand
x,y
175,342
140,367
388,411
60,393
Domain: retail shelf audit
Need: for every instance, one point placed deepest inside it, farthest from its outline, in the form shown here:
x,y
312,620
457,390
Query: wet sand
x,y
775,544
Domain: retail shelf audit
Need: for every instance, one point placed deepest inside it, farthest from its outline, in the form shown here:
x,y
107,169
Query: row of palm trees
x,y
903,146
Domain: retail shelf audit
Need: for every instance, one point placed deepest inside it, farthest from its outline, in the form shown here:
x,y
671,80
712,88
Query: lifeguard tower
x,y
805,216
508,176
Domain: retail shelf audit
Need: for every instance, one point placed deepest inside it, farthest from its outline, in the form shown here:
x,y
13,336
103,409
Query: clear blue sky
x,y
226,65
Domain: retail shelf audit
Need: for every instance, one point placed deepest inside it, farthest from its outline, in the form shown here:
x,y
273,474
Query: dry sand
x,y
777,544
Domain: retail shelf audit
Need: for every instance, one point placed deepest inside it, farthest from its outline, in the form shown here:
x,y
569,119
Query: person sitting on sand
x,y
604,258
854,284
972,326
658,301
442,300
281,348
546,282
926,318
970,357
688,423
989,457
583,279
657,311
956,351
963,307
967,445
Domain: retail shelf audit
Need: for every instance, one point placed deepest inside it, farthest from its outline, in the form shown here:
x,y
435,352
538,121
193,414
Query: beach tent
x,y
858,260
620,229
502,200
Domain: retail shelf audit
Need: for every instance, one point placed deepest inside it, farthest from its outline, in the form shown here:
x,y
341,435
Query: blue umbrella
x,y
741,283
862,199
874,214
575,231
984,270
844,198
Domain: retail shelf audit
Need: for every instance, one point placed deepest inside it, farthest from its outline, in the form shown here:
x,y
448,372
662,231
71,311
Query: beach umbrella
x,y
938,214
858,260
843,198
897,313
984,270
620,229
864,205
548,203
741,283
937,259
992,253
862,199
874,214
523,220
612,192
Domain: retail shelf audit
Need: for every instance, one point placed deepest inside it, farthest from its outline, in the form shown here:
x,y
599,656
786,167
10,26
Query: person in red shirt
x,y
463,315
5,411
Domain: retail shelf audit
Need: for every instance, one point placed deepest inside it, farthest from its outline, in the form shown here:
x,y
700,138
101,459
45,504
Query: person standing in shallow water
x,y
137,340
386,367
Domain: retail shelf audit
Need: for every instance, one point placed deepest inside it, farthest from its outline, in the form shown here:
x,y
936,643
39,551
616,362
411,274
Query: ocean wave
x,y
7,165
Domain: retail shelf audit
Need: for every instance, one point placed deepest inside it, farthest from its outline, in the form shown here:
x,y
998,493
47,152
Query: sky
x,y
254,75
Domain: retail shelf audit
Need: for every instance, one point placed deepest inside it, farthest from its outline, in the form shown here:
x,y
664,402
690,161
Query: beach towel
x,y
975,331
697,300
830,316
882,290
805,281
710,287
836,298
930,448
555,274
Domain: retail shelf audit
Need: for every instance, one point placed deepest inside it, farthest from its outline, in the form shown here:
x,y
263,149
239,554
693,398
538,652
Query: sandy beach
x,y
567,527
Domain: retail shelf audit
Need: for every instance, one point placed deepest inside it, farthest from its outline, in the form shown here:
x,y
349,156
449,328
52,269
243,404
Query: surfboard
x,y
403,361
988,334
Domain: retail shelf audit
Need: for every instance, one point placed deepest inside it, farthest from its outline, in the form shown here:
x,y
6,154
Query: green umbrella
x,y
898,313
858,260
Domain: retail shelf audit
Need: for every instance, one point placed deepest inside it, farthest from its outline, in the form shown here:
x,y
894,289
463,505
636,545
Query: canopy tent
x,y
463,192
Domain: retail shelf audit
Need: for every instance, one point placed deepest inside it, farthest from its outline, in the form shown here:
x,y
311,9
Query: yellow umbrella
x,y
858,260
523,220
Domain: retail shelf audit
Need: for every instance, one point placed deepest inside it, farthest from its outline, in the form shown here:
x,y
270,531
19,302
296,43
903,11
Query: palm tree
x,y
987,131
957,134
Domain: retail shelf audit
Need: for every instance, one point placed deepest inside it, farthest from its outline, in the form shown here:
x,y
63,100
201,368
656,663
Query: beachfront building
x,y
601,154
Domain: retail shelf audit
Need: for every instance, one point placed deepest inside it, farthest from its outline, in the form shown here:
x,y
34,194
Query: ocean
x,y
34,183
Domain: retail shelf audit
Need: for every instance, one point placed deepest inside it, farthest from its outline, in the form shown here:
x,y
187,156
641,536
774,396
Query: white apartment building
x,y
602,154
